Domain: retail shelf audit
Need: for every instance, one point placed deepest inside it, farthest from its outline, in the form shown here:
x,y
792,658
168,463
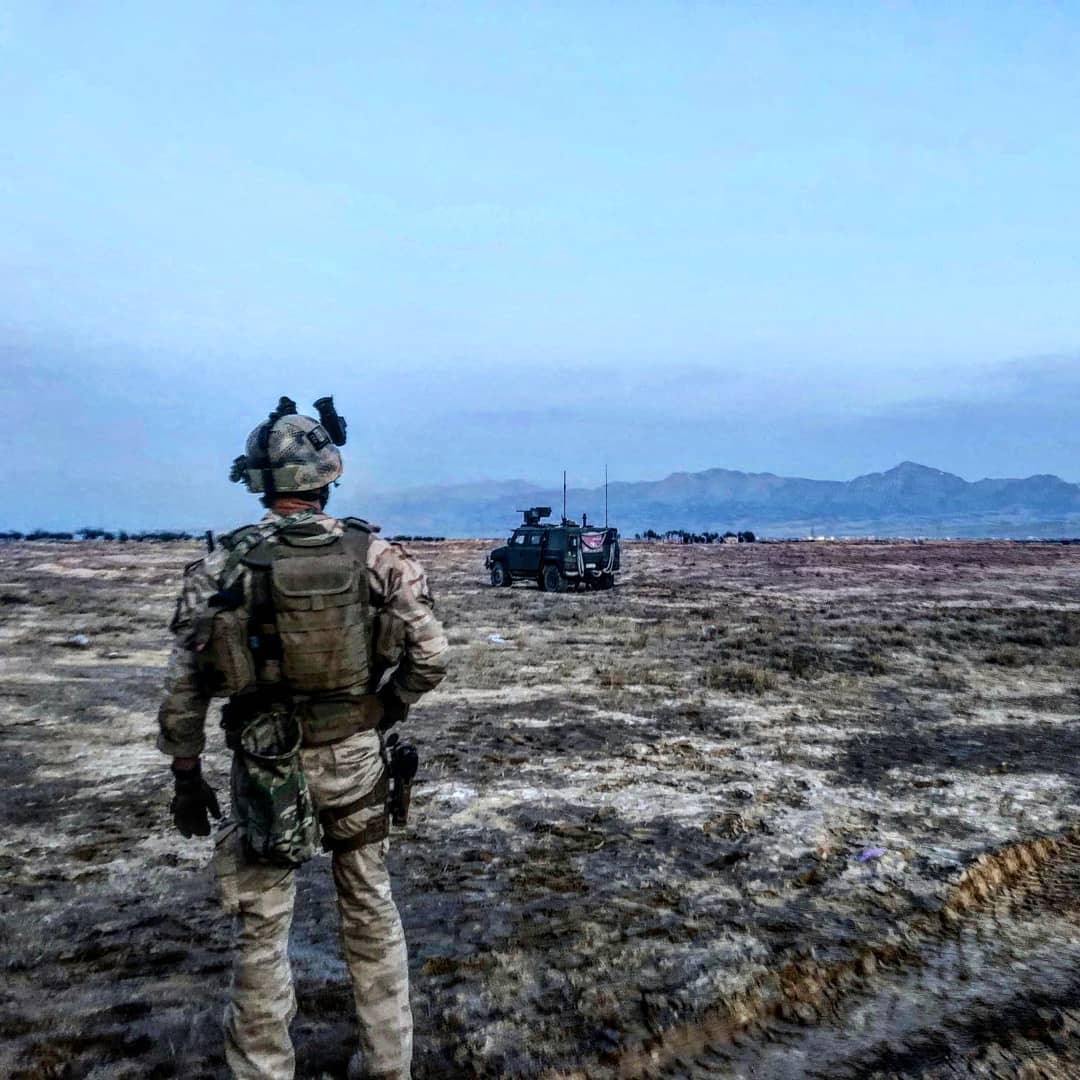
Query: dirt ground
x,y
771,810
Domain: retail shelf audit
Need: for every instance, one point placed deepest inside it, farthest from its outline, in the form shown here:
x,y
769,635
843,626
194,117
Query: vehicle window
x,y
519,538
534,538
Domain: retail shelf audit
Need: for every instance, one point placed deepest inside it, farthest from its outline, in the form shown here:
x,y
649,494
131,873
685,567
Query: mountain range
x,y
908,500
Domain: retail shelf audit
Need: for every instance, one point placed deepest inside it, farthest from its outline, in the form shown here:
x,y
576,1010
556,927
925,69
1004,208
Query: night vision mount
x,y
328,416
332,422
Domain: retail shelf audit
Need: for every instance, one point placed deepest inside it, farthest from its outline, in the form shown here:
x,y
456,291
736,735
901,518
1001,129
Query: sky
x,y
809,239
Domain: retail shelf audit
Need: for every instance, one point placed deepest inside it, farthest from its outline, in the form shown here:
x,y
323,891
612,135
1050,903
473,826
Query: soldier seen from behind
x,y
321,635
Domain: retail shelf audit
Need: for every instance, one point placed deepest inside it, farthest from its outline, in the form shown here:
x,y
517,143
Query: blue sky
x,y
808,239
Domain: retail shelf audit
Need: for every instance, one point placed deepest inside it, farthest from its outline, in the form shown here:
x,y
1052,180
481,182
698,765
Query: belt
x,y
323,720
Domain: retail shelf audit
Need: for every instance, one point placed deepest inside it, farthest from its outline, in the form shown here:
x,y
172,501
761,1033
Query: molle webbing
x,y
327,720
323,721
244,546
319,588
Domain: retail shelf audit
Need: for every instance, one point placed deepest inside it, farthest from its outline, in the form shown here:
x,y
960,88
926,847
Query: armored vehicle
x,y
555,556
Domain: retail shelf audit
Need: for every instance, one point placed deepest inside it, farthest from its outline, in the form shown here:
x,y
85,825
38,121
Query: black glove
x,y
194,796
394,709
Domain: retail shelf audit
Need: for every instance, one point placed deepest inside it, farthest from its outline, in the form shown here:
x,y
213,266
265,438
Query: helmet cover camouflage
x,y
288,452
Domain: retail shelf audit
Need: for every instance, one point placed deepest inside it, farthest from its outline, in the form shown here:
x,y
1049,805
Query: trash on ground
x,y
497,639
871,853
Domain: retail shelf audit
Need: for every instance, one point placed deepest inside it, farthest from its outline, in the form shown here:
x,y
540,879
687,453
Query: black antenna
x,y
605,494
564,496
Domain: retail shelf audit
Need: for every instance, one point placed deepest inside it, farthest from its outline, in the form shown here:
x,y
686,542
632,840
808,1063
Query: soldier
x,y
321,635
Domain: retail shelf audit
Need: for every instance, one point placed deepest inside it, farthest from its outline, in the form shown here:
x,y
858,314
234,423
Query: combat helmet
x,y
289,452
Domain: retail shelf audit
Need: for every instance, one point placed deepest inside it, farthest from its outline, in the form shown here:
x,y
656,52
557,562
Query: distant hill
x,y
908,500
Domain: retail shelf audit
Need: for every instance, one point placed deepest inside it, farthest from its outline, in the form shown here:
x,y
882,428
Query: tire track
x,y
987,986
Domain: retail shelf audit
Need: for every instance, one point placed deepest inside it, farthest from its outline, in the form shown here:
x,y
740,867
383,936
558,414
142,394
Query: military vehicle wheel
x,y
500,576
606,581
551,579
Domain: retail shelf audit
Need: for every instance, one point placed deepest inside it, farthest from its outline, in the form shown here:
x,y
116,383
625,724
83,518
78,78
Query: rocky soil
x,y
778,810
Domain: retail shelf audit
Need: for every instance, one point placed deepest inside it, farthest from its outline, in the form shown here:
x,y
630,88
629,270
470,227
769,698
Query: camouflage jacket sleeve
x,y
407,633
182,716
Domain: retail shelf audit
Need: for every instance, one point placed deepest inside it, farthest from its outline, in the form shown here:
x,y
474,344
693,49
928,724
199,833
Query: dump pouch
x,y
271,800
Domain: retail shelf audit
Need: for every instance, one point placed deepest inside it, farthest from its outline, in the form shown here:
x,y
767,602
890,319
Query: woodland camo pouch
x,y
271,800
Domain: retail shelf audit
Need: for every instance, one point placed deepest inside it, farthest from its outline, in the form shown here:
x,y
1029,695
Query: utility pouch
x,y
222,655
271,800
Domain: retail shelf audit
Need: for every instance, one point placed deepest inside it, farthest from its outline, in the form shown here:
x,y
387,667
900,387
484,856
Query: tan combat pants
x,y
257,1043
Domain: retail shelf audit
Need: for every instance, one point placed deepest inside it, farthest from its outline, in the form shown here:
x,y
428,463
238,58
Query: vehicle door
x,y
530,553
516,549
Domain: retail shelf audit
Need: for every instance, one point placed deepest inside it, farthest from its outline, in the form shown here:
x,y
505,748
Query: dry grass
x,y
630,804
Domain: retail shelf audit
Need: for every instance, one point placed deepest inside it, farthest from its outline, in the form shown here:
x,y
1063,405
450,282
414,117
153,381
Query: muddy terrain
x,y
775,811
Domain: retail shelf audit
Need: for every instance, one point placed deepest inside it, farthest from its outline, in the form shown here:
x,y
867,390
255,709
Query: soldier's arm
x,y
182,715
408,632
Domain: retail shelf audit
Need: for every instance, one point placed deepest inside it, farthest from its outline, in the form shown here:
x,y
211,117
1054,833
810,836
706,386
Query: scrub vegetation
x,y
786,810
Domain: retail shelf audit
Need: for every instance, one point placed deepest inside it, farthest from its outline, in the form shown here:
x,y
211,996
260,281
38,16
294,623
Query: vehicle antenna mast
x,y
564,496
605,494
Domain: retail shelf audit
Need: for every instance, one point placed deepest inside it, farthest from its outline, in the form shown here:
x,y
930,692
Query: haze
x,y
808,239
